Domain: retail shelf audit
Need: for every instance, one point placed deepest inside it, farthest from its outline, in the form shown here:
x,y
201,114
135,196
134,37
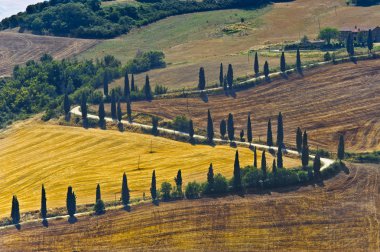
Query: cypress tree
x,y
153,188
269,134
129,110
256,65
113,105
230,76
304,140
237,174
274,167
71,202
370,40
255,157
98,193
221,75
210,177
210,127
178,180
127,90
154,125
223,128
242,135
101,114
305,156
202,79
133,88
350,45
119,113
147,89
105,84
43,203
15,212
299,140
66,106
125,197
225,83
84,110
191,130
264,165
280,131
230,127
298,61
317,165
341,152
279,159
266,70
283,63
249,129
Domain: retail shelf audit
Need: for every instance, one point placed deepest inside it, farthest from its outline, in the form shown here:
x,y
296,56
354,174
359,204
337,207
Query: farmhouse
x,y
360,33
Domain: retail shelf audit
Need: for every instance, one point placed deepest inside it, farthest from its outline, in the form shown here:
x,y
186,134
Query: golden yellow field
x,y
59,156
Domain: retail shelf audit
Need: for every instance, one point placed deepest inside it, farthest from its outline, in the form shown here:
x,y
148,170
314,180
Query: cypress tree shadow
x,y
284,75
127,208
204,97
156,202
45,223
233,144
72,219
18,226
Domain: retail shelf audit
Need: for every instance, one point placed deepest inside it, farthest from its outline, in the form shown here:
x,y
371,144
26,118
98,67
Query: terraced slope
x,y
339,215
327,101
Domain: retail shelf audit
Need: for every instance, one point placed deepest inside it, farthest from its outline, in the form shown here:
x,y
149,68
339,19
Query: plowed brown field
x,y
329,100
340,215
17,48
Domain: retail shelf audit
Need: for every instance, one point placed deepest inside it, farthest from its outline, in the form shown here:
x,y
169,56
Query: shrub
x,y
160,89
99,207
166,188
181,123
145,61
327,56
220,184
193,190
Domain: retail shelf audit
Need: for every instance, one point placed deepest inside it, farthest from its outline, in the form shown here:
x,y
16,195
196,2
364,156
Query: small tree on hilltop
x,y
264,165
210,127
202,79
299,140
269,134
102,114
230,127
66,106
255,157
15,212
370,41
43,203
147,89
230,76
237,174
191,130
221,75
84,110
256,65
223,128
153,187
266,70
127,90
125,197
249,129
341,152
280,131
298,61
113,105
283,63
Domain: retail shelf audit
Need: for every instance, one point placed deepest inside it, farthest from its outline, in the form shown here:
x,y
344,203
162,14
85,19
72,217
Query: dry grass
x,y
194,40
17,48
57,156
340,215
327,101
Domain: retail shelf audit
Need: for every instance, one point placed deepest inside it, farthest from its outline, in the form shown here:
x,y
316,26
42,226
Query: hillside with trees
x,y
88,19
